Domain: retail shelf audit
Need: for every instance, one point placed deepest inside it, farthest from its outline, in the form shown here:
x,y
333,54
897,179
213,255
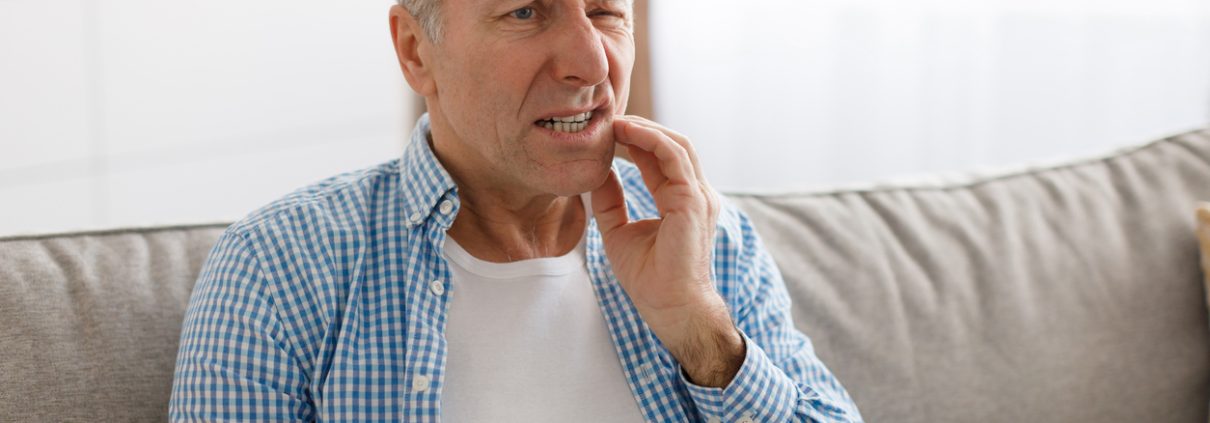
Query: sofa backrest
x,y
1065,294
89,323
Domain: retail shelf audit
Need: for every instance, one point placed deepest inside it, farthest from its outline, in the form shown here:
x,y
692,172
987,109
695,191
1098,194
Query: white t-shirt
x,y
528,343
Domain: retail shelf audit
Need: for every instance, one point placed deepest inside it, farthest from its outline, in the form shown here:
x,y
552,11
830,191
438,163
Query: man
x,y
506,268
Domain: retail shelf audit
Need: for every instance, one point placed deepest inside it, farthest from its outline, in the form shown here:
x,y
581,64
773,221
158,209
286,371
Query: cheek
x,y
506,69
472,92
499,82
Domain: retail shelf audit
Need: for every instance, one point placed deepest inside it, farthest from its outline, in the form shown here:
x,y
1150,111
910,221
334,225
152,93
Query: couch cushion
x,y
1065,294
92,321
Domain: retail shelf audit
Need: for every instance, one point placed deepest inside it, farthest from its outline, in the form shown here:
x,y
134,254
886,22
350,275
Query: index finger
x,y
674,161
679,138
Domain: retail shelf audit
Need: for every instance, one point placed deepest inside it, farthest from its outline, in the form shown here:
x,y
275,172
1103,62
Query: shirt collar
x,y
427,187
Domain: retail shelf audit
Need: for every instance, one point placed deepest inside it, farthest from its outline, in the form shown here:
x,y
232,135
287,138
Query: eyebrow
x,y
625,2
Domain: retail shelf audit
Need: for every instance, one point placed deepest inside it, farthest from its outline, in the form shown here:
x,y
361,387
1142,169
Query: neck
x,y
497,230
500,221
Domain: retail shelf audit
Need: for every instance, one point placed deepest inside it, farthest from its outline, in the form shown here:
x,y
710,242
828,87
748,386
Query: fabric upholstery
x,y
91,322
1065,294
1069,294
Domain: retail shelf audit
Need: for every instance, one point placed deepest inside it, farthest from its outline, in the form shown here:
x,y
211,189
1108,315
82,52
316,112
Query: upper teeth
x,y
574,118
573,123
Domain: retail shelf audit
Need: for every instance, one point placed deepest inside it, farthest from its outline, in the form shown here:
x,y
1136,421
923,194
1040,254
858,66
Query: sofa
x,y
1068,292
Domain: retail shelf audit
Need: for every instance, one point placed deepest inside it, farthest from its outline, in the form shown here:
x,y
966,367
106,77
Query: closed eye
x,y
609,18
606,13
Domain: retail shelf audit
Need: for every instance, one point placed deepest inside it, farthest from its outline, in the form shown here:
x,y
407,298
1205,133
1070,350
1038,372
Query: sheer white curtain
x,y
794,94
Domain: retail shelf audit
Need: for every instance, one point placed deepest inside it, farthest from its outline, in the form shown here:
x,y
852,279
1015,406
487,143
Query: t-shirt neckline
x,y
565,264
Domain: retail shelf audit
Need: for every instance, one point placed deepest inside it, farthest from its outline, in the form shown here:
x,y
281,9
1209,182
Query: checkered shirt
x,y
331,305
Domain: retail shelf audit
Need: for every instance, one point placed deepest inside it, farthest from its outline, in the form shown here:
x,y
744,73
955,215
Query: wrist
x,y
707,345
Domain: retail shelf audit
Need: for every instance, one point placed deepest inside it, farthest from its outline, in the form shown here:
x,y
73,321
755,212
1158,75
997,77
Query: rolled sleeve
x,y
760,391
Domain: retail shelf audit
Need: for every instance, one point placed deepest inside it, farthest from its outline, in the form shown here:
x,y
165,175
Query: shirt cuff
x,y
760,392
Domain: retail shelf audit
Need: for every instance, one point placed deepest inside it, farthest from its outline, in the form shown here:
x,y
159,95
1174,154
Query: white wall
x,y
139,112
793,94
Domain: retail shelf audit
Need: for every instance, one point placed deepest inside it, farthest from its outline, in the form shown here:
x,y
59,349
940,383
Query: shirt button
x,y
438,287
747,418
421,383
415,218
446,207
647,373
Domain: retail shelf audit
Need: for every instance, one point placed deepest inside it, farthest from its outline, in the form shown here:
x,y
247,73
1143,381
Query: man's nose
x,y
579,57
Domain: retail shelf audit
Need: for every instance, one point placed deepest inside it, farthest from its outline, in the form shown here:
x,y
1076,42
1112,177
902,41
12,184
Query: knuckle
x,y
682,152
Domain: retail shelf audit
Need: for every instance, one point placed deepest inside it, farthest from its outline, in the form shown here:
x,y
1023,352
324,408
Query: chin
x,y
575,179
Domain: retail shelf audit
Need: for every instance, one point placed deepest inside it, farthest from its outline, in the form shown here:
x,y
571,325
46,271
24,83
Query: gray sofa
x,y
1070,293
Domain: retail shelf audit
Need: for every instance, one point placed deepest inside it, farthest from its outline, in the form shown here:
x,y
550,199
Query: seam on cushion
x,y
132,230
976,181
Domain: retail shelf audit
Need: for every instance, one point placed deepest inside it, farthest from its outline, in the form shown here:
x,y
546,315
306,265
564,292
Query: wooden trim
x,y
640,80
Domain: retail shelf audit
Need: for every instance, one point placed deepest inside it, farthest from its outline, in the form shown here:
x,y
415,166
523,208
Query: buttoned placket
x,y
448,211
426,365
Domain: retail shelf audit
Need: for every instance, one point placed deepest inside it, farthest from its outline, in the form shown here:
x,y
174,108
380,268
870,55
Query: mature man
x,y
507,268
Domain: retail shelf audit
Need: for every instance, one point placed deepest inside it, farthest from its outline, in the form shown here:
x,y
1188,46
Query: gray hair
x,y
428,14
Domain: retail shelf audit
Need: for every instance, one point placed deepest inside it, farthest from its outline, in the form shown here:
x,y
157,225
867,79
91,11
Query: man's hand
x,y
664,264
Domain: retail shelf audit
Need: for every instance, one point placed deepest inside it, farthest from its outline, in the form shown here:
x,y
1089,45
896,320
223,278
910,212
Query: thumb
x,y
609,204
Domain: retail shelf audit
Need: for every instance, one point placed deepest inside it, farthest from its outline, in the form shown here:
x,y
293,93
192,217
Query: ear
x,y
410,41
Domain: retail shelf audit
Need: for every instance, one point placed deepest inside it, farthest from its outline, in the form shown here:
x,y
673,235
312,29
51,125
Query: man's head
x,y
498,76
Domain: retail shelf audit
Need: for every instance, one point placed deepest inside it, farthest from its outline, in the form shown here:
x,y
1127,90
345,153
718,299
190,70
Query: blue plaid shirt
x,y
330,304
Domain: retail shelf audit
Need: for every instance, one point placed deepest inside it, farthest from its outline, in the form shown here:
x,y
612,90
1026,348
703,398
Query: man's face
x,y
506,71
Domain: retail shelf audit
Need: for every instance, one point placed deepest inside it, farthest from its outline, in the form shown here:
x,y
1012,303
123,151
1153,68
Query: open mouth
x,y
568,124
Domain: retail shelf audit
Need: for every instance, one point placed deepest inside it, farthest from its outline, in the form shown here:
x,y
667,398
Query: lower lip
x,y
588,134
